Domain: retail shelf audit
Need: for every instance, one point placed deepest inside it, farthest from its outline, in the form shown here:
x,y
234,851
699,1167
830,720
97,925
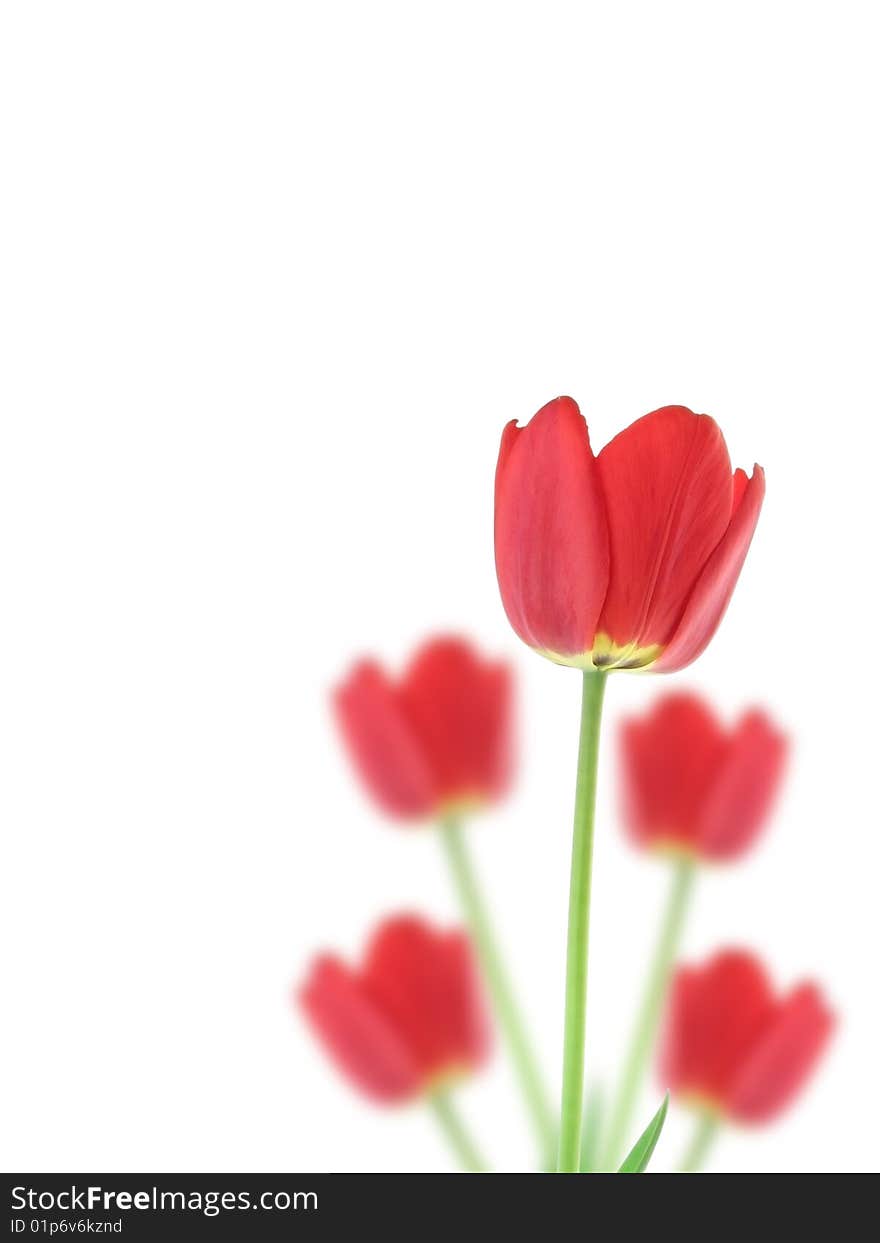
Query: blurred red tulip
x,y
437,740
735,1049
691,785
629,559
409,1018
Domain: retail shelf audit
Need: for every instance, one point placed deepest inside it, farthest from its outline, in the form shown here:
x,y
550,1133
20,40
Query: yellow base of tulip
x,y
606,654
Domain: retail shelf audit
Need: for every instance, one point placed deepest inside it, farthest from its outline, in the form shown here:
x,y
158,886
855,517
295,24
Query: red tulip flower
x,y
437,744
629,559
436,741
694,787
732,1047
409,1019
695,792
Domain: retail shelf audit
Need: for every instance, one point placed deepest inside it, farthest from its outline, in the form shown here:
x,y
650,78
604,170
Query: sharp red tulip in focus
x,y
626,560
437,740
733,1047
409,1018
691,785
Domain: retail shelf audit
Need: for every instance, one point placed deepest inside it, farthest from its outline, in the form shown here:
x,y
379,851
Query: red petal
x,y
711,596
355,1033
784,1057
716,1013
383,745
459,707
668,495
425,983
740,483
670,758
551,539
744,788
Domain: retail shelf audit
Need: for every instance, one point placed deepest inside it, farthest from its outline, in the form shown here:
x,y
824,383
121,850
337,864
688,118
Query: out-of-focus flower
x,y
409,1020
694,787
629,559
734,1049
435,742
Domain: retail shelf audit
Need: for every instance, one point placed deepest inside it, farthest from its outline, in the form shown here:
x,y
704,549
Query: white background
x,y
274,276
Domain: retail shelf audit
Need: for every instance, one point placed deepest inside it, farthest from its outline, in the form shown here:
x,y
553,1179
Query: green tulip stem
x,y
649,1014
457,1135
579,923
499,987
704,1136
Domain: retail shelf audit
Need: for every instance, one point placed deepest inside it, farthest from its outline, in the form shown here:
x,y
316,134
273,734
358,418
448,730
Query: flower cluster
x,y
623,560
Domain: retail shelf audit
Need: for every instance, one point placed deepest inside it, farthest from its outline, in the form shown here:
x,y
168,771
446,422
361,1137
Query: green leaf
x,y
591,1132
640,1154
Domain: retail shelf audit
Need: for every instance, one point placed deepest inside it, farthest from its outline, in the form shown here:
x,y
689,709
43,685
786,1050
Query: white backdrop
x,y
274,277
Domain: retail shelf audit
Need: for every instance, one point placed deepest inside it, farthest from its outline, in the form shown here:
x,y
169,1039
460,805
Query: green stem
x,y
645,1030
453,1128
579,924
591,1131
704,1136
498,983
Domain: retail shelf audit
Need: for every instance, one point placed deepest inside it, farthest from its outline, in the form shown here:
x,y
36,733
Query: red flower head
x,y
626,560
693,786
735,1049
411,1016
438,738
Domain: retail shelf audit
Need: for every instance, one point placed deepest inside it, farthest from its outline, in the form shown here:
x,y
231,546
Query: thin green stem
x,y
498,983
449,1119
591,1130
704,1136
579,924
648,1019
